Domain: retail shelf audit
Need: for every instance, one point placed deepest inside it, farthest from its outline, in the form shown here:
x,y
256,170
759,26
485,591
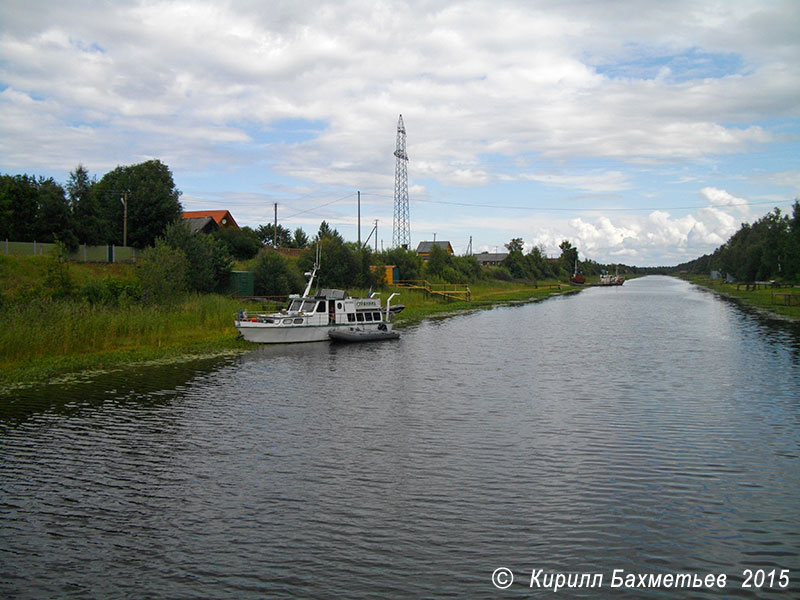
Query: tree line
x,y
769,249
88,211
139,204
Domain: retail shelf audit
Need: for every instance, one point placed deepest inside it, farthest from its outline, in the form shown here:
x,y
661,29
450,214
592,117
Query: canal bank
x,y
60,341
777,300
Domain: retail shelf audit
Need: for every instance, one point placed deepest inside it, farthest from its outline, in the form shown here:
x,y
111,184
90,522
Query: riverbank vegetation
x,y
58,316
783,300
759,265
766,250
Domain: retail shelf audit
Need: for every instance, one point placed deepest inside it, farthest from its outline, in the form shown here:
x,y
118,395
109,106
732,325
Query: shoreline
x,y
83,366
760,300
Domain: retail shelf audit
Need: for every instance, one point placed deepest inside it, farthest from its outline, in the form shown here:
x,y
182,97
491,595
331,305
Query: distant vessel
x,y
607,279
311,318
577,277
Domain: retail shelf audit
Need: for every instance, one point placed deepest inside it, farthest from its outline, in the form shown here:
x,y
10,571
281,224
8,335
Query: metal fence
x,y
84,253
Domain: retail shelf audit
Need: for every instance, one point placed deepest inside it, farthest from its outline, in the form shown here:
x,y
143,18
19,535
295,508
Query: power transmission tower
x,y
401,236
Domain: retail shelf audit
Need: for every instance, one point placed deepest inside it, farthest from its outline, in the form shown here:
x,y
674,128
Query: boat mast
x,y
311,275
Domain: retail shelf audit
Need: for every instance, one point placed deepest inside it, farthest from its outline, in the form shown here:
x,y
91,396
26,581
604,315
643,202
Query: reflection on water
x,y
651,428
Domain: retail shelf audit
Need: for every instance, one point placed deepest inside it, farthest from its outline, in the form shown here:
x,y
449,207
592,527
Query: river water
x,y
652,428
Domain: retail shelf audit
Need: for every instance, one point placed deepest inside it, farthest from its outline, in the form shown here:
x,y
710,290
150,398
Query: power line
x,y
350,195
599,209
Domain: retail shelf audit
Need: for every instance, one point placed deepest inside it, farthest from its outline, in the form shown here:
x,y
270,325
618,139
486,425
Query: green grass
x,y
419,305
761,298
42,339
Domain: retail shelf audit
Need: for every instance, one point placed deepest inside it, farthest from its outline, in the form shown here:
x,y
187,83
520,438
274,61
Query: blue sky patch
x,y
692,64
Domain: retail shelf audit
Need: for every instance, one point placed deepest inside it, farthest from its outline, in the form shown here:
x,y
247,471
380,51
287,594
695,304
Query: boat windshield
x,y
295,305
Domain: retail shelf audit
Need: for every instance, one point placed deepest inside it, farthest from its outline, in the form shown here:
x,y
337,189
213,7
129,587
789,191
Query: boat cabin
x,y
329,307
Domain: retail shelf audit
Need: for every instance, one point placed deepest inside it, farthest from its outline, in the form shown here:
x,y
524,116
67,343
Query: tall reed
x,y
39,329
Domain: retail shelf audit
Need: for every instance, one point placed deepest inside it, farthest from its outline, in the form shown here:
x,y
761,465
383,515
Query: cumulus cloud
x,y
562,97
719,197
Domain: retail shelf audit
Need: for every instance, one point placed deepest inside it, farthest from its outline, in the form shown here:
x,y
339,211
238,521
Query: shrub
x,y
273,276
162,273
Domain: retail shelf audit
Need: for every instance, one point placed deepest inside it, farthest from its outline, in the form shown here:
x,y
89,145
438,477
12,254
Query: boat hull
x,y
267,333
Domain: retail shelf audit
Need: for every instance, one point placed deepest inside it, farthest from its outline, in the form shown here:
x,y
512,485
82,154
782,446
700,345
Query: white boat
x,y
310,318
608,279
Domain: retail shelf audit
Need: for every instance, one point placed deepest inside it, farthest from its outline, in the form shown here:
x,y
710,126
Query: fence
x,y
84,253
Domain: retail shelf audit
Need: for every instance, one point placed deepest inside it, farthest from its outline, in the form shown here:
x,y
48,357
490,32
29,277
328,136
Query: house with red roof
x,y
206,221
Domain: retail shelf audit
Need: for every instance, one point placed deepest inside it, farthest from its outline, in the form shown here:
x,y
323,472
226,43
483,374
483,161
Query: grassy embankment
x,y
763,298
44,339
419,305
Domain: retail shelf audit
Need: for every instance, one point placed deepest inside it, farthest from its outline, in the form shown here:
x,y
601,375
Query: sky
x,y
643,132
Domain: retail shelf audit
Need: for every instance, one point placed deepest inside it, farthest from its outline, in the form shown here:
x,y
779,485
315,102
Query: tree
x,y
300,239
438,261
152,199
515,262
84,207
53,220
515,245
19,202
339,266
538,263
242,244
208,265
793,244
568,258
408,262
326,231
273,276
162,272
266,234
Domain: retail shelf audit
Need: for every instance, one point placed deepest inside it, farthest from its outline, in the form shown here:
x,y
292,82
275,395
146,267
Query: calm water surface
x,y
652,428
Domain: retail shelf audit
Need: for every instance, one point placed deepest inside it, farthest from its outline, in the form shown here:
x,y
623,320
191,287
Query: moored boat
x,y
577,278
311,318
359,334
607,279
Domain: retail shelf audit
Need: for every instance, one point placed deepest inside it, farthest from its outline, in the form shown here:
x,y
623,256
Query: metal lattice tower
x,y
401,236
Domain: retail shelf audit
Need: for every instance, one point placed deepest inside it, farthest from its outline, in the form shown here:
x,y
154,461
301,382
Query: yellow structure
x,y
424,248
391,274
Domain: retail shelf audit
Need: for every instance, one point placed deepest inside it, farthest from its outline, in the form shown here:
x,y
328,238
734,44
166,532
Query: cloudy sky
x,y
644,132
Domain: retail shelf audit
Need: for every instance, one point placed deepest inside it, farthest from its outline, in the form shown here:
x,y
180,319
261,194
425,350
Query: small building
x,y
391,274
222,218
424,248
490,259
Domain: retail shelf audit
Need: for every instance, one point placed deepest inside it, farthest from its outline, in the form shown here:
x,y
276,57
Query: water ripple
x,y
652,428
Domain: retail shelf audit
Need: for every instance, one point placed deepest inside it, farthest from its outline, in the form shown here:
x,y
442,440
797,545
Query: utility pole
x,y
359,219
124,200
275,228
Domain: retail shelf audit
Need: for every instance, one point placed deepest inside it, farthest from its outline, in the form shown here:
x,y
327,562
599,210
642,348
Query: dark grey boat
x,y
356,334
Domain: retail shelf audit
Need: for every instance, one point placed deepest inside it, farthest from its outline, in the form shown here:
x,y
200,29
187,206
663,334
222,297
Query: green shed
x,y
240,283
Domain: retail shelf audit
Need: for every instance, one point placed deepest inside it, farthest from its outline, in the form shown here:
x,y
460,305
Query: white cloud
x,y
561,97
722,198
